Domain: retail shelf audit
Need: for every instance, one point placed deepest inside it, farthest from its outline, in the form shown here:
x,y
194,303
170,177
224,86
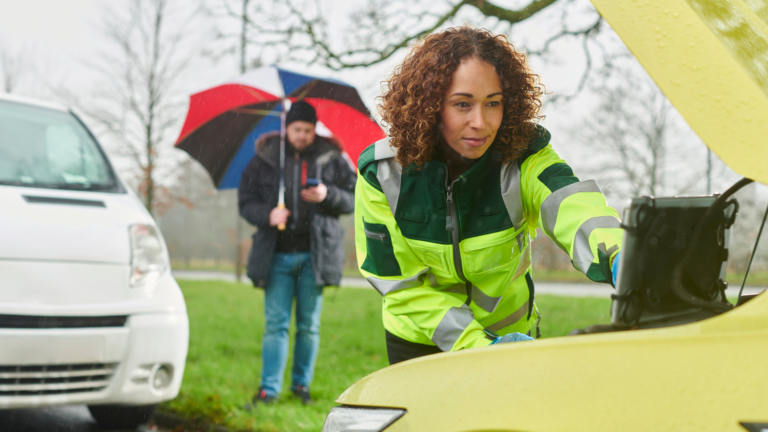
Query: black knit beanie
x,y
301,110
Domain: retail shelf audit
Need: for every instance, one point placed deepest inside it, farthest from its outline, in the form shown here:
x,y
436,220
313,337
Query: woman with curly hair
x,y
445,206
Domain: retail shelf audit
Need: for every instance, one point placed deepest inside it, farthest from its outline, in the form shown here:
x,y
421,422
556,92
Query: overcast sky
x,y
62,36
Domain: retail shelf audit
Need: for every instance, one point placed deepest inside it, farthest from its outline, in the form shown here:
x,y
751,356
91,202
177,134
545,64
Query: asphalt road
x,y
58,419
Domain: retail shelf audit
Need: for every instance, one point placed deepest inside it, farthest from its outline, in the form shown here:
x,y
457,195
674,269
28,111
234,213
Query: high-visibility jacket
x,y
453,260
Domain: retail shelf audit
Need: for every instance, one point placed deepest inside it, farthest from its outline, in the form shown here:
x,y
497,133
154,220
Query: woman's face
x,y
472,108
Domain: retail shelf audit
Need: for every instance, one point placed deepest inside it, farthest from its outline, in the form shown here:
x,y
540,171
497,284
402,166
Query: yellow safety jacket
x,y
453,260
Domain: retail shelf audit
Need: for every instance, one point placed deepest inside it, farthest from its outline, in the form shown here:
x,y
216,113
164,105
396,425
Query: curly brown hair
x,y
412,96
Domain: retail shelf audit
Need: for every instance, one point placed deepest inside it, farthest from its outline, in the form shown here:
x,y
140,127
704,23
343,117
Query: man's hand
x,y
315,194
278,216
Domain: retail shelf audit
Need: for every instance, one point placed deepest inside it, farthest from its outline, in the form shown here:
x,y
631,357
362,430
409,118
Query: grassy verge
x,y
223,366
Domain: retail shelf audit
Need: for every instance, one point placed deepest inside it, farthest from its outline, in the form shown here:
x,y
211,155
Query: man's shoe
x,y
260,398
302,392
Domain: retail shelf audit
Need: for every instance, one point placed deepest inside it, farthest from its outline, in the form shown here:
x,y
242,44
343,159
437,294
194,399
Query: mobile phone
x,y
312,182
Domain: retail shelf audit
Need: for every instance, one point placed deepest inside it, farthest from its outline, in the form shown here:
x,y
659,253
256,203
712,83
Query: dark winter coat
x,y
258,193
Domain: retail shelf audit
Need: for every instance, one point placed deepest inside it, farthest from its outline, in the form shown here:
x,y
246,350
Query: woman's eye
x,y
494,104
462,105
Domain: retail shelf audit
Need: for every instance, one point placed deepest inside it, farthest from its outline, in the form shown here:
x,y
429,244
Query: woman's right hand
x,y
278,216
512,337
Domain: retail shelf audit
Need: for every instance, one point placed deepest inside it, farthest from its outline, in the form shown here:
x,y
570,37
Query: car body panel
x,y
705,376
64,232
710,58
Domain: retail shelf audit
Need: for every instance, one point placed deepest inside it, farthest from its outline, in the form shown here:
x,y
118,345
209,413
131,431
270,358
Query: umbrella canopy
x,y
224,122
710,57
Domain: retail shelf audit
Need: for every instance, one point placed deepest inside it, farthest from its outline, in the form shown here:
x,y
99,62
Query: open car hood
x,y
710,58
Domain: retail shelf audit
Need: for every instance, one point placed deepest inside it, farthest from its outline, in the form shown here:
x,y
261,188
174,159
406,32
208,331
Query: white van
x,y
89,311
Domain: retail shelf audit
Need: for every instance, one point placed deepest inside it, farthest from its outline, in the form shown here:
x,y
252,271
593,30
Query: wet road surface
x,y
53,419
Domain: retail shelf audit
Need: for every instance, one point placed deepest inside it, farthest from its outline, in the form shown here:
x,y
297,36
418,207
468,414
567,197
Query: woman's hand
x,y
512,337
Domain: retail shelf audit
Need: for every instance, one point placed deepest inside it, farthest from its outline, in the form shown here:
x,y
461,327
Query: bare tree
x,y
15,66
635,142
374,31
139,102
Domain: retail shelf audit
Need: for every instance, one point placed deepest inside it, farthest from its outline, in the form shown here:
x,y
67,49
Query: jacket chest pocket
x,y
492,252
380,254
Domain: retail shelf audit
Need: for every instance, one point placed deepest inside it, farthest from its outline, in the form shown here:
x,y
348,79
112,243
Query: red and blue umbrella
x,y
224,122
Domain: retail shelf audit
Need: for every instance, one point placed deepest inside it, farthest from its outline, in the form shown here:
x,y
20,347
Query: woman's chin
x,y
470,152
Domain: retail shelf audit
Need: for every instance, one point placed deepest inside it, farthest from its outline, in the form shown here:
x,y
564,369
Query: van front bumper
x,y
139,363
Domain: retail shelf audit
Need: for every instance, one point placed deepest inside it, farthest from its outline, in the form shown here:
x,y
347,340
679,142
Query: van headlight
x,y
148,257
359,419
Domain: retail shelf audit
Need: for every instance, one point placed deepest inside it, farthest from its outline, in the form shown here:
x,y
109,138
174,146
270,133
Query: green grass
x,y
223,365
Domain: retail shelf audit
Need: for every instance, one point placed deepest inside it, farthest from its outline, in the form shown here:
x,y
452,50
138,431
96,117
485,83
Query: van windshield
x,y
41,147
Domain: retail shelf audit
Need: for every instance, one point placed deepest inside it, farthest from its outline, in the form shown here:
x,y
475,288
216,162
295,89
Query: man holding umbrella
x,y
294,194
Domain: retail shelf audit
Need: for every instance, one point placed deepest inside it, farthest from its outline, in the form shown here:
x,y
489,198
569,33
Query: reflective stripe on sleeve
x,y
551,205
510,192
511,319
385,287
582,253
452,326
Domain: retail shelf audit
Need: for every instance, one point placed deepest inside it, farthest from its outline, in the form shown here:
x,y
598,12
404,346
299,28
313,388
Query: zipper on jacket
x,y
452,226
375,235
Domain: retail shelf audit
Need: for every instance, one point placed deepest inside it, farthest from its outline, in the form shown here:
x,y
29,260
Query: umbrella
x,y
224,122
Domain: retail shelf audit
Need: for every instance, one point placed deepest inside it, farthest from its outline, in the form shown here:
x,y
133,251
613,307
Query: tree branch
x,y
511,16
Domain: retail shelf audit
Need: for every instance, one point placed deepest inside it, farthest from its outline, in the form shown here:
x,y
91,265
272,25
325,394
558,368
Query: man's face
x,y
300,134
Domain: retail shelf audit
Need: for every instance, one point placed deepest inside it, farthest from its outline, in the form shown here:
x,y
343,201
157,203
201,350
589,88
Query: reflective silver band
x,y
551,205
388,174
510,192
511,319
388,171
382,150
582,253
525,261
485,301
385,287
458,288
609,251
451,327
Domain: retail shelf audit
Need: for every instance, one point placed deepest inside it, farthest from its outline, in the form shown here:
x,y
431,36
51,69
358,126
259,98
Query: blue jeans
x,y
291,276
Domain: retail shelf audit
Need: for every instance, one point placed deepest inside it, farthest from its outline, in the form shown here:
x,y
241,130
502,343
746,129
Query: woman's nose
x,y
477,118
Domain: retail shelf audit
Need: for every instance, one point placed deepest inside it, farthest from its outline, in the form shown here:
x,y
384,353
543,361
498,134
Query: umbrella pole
x,y
238,245
281,191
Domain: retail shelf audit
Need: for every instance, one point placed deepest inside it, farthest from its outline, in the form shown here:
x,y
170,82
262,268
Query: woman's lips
x,y
475,142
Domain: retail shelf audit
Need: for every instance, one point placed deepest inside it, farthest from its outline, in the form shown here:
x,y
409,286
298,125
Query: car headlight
x,y
148,257
348,418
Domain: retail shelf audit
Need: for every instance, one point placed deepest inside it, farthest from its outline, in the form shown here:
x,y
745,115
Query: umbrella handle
x,y
281,227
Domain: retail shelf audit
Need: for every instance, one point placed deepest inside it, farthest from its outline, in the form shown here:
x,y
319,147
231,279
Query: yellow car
x,y
710,57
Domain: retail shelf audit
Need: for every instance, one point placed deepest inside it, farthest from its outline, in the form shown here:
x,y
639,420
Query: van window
x,y
41,147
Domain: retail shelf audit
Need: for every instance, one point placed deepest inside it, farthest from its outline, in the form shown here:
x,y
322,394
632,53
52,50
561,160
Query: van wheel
x,y
121,416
